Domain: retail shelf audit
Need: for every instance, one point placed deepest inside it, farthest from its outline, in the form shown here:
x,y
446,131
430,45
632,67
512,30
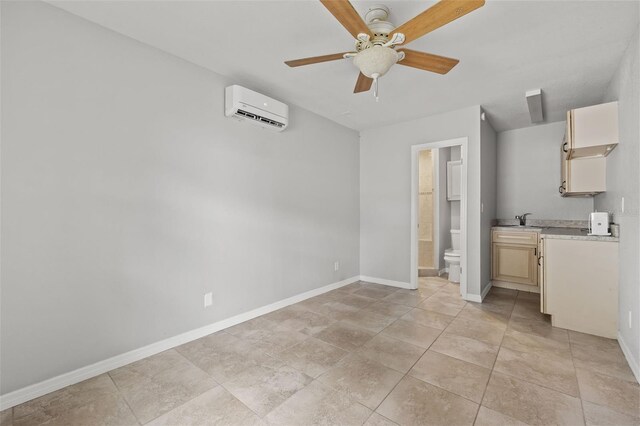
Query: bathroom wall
x,y
455,205
444,206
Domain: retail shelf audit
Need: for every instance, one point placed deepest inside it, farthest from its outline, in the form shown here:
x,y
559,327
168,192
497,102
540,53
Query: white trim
x,y
385,281
479,299
633,363
436,208
42,388
464,214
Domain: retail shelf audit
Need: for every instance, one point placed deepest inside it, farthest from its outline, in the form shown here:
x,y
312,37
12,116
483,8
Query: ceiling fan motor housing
x,y
376,19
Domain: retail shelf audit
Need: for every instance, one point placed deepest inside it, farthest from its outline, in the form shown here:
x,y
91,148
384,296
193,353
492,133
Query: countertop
x,y
560,233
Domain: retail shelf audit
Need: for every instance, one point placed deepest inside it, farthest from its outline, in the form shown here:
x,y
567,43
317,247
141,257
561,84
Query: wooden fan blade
x,y
436,16
427,61
363,84
347,15
315,59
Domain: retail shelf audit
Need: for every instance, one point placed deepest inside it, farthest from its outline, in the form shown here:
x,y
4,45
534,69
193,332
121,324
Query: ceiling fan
x,y
377,39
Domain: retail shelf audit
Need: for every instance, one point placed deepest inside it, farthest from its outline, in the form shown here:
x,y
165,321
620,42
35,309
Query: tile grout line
x,y
190,399
538,384
380,332
424,352
496,360
123,397
412,365
584,415
313,379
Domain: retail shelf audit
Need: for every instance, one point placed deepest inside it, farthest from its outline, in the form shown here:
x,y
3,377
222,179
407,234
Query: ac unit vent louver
x,y
246,114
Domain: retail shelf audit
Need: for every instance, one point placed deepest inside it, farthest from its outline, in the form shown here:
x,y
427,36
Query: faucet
x,y
523,219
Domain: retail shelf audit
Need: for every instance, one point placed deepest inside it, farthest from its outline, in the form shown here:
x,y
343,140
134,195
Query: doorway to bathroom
x,y
438,211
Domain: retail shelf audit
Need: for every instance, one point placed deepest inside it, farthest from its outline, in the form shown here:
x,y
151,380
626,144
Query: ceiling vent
x,y
534,101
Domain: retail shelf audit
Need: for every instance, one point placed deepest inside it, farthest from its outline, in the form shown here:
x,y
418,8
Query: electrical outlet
x,y
622,205
208,299
336,265
630,322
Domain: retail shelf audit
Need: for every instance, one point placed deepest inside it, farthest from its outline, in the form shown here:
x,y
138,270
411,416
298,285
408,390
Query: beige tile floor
x,y
366,354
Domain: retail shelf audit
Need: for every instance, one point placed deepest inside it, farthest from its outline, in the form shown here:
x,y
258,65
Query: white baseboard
x,y
633,363
479,298
42,388
384,281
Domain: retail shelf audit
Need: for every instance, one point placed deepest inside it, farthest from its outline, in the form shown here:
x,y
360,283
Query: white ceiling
x,y
570,49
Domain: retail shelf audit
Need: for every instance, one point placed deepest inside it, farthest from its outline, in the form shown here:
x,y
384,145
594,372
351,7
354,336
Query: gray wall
x,y
126,195
529,175
623,181
385,192
488,180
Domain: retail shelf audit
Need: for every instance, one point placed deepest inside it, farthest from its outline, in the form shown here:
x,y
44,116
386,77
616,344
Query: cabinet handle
x,y
535,251
562,188
563,147
539,259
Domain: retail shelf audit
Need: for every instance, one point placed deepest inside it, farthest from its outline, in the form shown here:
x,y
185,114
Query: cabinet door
x,y
581,285
581,176
516,264
454,179
595,125
587,175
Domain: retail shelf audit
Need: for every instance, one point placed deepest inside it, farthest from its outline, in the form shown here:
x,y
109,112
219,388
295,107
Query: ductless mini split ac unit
x,y
255,108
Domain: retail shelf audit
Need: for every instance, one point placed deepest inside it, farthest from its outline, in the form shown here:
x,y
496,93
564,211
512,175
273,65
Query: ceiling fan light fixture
x,y
376,37
376,60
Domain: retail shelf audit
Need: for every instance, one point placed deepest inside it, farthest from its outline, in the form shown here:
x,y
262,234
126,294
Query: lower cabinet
x,y
579,285
517,264
515,259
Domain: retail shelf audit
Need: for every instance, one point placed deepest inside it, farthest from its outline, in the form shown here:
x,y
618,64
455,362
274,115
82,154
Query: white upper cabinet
x,y
582,176
454,180
592,131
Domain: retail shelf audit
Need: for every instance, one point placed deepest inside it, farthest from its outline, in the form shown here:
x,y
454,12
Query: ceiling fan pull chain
x,y
375,85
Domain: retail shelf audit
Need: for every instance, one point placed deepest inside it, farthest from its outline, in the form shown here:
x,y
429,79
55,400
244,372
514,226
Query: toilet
x,y
452,257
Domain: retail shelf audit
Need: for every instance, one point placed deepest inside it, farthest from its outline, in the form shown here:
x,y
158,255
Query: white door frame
x,y
415,149
435,155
